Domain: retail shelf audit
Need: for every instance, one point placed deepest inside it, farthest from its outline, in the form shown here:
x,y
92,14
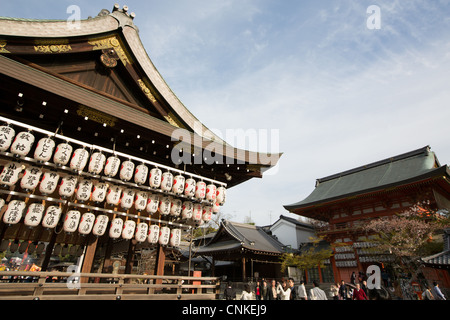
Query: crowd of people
x,y
287,290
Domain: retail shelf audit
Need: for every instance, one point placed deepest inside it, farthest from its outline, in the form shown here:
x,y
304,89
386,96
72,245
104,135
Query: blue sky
x,y
340,94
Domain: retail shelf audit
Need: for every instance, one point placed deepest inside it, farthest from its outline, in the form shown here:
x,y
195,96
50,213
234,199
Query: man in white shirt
x,y
301,294
316,293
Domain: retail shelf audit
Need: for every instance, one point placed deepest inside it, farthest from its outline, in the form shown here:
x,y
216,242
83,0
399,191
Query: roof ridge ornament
x,y
123,17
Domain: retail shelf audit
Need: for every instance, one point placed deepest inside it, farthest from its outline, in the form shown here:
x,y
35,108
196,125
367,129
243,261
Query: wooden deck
x,y
25,285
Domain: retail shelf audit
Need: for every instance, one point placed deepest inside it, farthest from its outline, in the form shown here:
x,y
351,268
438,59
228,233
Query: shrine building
x,y
347,200
93,171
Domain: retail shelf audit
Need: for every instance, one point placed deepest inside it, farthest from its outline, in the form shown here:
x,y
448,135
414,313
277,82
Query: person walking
x,y
283,291
343,291
316,293
229,293
258,290
247,293
265,290
293,291
353,278
334,291
438,295
427,295
302,291
273,295
358,293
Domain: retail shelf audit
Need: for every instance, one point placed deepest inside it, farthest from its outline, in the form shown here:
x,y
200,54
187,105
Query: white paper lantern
x,y
197,212
114,195
152,203
51,218
187,210
14,212
127,198
67,186
140,175
221,193
211,192
141,232
216,207
22,143
34,214
115,231
175,237
167,181
164,206
79,159
86,223
112,166
30,178
6,137
189,187
175,207
44,149
96,163
128,229
99,191
164,236
207,213
71,221
10,173
200,190
140,201
100,225
154,178
62,154
84,190
49,182
153,233
126,171
178,184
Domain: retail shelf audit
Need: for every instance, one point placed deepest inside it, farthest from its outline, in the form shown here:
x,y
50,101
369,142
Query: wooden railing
x,y
25,285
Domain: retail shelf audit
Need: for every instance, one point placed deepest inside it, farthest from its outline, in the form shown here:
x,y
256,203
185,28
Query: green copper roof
x,y
401,169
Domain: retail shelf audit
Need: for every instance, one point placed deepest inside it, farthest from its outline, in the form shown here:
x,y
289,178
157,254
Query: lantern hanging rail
x,y
104,178
113,152
80,205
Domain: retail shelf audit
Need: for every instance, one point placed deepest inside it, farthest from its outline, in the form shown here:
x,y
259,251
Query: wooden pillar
x,y
88,261
130,254
160,261
243,269
336,273
319,270
49,251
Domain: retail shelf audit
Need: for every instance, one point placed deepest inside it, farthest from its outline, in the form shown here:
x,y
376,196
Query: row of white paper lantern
x,y
88,222
98,163
99,191
48,180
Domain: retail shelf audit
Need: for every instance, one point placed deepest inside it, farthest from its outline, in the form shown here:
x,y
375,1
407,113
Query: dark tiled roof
x,y
402,169
242,236
440,259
